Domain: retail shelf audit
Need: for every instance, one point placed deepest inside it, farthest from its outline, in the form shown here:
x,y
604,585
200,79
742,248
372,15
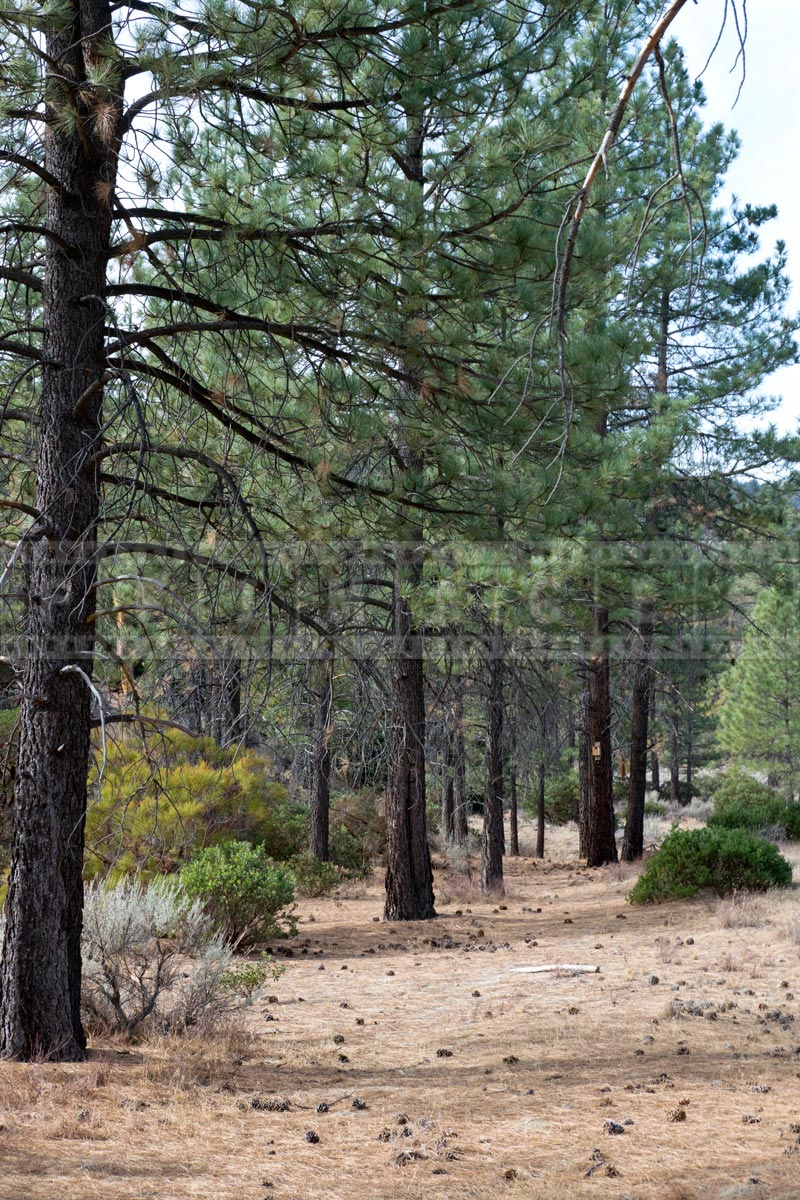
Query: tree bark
x,y
655,766
601,846
460,814
584,769
633,842
40,977
674,764
409,877
513,812
540,810
320,791
448,822
492,843
225,724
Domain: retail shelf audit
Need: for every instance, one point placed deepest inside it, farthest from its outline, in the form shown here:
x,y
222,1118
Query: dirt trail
x,y
472,1080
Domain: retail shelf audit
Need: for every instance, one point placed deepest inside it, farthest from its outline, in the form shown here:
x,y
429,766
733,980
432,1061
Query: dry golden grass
x,y
681,1018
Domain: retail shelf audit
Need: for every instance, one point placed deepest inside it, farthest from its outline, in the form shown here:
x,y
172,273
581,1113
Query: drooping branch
x,y
581,200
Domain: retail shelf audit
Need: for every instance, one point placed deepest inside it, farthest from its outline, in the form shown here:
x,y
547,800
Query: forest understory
x,y
444,1069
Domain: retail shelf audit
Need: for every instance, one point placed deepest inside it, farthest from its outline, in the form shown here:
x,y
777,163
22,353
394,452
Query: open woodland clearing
x,y
478,1080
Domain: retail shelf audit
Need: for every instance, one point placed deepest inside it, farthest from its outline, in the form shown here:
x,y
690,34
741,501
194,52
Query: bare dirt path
x,y
447,1072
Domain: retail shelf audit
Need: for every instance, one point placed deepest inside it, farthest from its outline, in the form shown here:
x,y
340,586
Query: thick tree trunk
x,y
40,977
513,812
584,769
633,842
540,811
601,846
493,839
320,791
409,877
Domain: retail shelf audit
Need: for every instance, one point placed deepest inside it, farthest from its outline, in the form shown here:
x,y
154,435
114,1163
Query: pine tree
x,y
758,710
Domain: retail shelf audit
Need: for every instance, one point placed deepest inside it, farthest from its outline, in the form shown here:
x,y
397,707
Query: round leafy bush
x,y
741,802
313,878
735,787
243,891
725,860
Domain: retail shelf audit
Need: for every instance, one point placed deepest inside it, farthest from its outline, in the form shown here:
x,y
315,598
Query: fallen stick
x,y
575,968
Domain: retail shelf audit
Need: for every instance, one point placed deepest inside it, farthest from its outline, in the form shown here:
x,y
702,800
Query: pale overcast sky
x,y
767,118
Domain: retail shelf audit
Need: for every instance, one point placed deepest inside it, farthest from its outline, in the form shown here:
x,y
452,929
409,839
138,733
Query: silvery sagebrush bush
x,y
151,956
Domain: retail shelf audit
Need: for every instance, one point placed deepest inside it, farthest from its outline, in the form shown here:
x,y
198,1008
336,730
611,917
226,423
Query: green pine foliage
x,y
758,710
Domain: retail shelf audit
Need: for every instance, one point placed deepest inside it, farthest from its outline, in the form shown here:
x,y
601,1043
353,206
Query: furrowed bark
x,y
409,876
41,964
492,845
633,843
601,846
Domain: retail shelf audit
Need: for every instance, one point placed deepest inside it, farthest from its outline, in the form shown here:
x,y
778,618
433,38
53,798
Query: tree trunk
x,y
448,826
584,769
223,717
655,766
601,846
513,812
460,814
409,877
320,792
540,811
674,764
40,977
633,842
492,843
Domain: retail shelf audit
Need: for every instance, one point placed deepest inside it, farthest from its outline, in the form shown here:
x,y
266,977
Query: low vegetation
x,y
742,802
723,860
246,895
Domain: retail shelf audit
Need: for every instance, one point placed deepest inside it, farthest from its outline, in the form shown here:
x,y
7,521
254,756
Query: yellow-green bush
x,y
165,795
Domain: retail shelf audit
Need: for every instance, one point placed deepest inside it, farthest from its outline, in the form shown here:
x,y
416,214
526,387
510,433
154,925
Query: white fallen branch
x,y
572,968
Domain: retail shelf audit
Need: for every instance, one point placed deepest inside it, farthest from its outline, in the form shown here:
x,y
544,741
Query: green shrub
x,y
654,808
686,793
313,878
621,792
244,893
735,786
358,830
150,959
741,802
561,796
725,860
247,978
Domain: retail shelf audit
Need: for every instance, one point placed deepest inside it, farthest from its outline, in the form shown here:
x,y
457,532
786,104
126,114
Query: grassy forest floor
x,y
446,1071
